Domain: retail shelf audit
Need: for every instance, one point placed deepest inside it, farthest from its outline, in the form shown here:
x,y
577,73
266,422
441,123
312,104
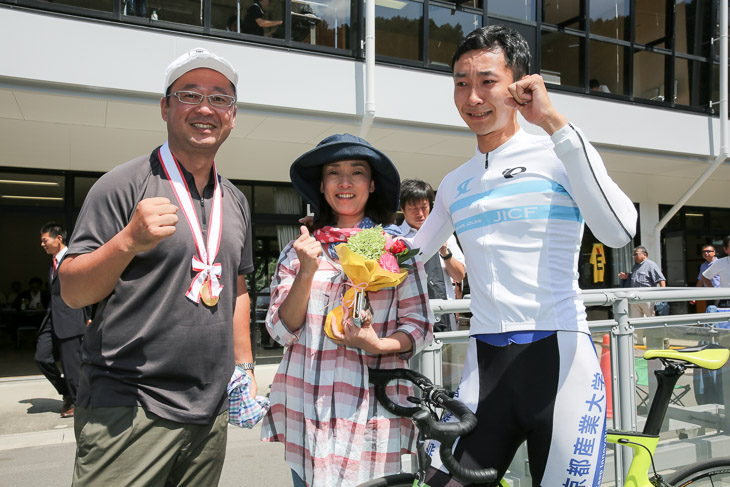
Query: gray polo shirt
x,y
646,274
149,345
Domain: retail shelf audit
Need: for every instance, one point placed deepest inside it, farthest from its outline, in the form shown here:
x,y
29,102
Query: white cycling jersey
x,y
518,212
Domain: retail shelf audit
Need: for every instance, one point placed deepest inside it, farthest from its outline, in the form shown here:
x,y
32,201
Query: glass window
x,y
262,17
561,58
187,12
589,275
102,5
694,219
518,9
227,14
31,190
651,20
609,18
649,74
691,79
447,28
693,27
322,22
720,221
136,8
82,185
247,191
608,67
269,200
563,13
399,29
287,201
675,223
682,80
263,201
266,255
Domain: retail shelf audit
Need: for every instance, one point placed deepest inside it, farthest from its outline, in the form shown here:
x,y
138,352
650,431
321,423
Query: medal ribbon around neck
x,y
203,263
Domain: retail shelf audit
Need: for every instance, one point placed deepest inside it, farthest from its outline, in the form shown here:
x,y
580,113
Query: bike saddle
x,y
708,356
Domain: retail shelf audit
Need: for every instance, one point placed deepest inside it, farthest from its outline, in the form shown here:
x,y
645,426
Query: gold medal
x,y
205,296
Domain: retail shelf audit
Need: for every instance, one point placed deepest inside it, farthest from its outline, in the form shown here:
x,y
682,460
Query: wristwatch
x,y
447,256
245,365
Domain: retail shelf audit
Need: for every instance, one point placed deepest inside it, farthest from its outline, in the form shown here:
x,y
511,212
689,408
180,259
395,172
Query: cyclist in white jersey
x,y
518,207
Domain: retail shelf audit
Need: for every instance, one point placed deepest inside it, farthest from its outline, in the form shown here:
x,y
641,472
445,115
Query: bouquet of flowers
x,y
372,260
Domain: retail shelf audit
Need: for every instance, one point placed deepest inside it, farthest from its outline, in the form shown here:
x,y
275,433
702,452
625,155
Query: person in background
x,y
596,85
714,272
323,408
174,312
720,268
444,270
254,21
644,273
232,23
33,298
62,331
709,255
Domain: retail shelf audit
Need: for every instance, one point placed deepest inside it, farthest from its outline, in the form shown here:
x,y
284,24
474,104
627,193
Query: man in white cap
x,y
162,245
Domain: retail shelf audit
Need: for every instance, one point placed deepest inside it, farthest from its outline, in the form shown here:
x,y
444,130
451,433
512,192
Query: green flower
x,y
370,243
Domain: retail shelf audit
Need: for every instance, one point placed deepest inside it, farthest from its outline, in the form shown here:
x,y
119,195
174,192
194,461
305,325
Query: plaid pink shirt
x,y
323,409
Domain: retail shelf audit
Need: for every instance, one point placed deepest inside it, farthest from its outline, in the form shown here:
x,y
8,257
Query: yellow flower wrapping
x,y
362,272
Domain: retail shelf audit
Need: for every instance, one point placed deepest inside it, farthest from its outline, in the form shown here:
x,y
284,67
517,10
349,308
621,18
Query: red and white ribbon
x,y
203,263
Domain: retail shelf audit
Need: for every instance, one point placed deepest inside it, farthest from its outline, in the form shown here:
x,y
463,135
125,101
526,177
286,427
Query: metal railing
x,y
621,331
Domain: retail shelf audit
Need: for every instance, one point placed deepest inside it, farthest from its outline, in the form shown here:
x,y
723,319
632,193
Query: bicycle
x,y
705,472
702,473
429,427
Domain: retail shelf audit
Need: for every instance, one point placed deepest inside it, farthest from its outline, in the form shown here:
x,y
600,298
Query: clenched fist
x,y
530,98
154,220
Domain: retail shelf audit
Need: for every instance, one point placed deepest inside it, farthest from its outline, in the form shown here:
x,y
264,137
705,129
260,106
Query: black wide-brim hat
x,y
306,171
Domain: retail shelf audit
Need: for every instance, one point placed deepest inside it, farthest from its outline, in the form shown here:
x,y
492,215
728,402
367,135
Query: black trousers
x,y
49,349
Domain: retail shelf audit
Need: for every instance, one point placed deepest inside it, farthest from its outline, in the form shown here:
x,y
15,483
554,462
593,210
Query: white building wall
x,y
288,101
108,56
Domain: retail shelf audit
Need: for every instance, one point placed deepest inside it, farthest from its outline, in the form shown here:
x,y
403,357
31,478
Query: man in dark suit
x,y
62,331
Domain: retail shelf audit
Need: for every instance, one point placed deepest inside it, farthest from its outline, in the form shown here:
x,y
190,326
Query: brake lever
x,y
424,460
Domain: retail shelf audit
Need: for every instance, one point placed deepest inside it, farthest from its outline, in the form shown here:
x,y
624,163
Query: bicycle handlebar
x,y
445,433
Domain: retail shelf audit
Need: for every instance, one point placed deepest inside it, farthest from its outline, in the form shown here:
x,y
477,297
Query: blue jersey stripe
x,y
536,212
540,186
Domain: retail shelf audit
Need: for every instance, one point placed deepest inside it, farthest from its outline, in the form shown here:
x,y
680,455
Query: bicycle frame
x,y
645,443
644,447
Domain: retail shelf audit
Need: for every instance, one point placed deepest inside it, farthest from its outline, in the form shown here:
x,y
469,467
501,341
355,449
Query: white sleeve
x,y
607,211
456,250
437,228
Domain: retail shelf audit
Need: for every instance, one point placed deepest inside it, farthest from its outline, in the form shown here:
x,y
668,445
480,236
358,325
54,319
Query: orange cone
x,y
606,370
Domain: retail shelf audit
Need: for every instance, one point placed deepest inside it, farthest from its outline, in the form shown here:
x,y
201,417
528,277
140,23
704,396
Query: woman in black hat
x,y
322,406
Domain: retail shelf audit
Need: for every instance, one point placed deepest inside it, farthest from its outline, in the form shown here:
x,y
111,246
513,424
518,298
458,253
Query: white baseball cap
x,y
199,58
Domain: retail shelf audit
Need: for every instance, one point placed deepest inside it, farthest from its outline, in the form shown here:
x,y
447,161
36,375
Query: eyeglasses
x,y
708,251
193,98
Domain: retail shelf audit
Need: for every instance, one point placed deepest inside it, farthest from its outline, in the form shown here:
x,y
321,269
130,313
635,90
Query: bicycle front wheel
x,y
708,473
397,480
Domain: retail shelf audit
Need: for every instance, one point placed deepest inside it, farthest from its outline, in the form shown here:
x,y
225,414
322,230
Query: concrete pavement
x,y
31,427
